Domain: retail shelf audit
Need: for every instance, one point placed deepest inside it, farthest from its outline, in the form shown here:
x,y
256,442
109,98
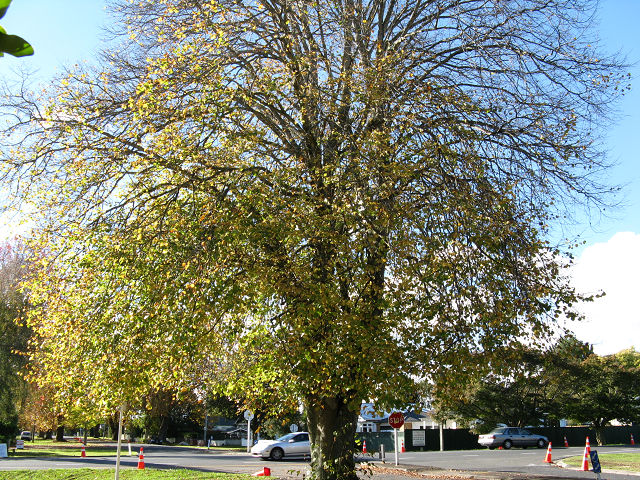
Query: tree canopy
x,y
310,201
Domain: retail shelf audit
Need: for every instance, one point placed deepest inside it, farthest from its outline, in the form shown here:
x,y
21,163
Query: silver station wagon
x,y
508,437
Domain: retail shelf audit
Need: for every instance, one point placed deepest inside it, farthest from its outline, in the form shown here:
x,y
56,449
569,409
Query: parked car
x,y
508,437
291,445
25,435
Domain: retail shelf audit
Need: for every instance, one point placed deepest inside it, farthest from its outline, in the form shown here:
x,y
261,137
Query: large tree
x,y
321,202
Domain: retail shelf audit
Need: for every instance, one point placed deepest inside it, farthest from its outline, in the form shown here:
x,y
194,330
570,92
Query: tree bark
x,y
113,426
600,434
60,433
332,430
164,425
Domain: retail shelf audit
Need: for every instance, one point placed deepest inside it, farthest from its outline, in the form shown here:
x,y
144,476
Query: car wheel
x,y
277,454
507,444
492,448
541,443
525,446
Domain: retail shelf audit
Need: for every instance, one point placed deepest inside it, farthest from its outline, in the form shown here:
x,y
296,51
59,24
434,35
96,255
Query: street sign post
x,y
248,416
595,463
396,420
293,428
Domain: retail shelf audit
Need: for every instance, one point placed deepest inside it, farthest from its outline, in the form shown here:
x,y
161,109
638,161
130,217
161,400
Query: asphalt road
x,y
478,463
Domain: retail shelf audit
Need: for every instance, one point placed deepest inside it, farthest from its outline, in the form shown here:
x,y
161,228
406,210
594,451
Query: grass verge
x,y
48,448
611,461
52,449
108,474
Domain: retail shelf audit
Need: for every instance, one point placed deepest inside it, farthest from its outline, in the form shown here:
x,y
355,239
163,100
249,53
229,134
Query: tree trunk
x,y
332,430
600,434
60,433
113,426
164,425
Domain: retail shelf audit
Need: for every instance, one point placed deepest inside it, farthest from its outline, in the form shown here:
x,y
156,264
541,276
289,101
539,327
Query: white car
x,y
289,446
508,437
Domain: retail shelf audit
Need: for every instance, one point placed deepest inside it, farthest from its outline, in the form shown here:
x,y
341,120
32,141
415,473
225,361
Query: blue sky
x,y
66,31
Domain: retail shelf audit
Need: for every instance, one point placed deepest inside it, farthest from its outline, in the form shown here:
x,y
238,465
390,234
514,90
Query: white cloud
x,y
613,321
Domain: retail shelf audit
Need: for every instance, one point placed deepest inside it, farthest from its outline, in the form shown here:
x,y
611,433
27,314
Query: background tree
x,y
332,199
39,412
14,334
533,390
606,390
630,358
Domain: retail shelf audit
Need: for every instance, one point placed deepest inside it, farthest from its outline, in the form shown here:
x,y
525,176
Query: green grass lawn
x,y
108,474
68,450
103,448
611,461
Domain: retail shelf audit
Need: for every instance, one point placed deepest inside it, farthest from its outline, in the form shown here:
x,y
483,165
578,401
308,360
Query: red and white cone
x,y
364,446
585,457
566,444
265,472
402,447
547,459
141,460
83,453
633,442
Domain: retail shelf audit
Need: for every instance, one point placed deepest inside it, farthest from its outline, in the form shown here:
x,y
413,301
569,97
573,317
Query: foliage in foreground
x,y
125,474
12,44
317,202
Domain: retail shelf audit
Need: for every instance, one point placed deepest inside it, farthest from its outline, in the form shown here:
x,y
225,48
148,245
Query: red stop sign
x,y
396,420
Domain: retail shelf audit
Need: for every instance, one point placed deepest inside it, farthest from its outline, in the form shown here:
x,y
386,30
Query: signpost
x,y
595,463
293,428
248,416
396,420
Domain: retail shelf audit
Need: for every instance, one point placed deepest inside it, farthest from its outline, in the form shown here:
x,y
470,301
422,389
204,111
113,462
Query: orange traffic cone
x,y
364,446
547,459
632,440
585,457
83,453
266,472
566,444
141,460
402,448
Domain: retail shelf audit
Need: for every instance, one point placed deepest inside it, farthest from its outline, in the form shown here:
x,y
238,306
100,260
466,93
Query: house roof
x,y
368,414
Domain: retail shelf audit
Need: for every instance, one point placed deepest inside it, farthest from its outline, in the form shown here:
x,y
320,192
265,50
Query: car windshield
x,y
497,431
286,438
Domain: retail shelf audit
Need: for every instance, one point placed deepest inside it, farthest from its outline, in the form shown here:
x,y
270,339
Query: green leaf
x,y
15,45
4,5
